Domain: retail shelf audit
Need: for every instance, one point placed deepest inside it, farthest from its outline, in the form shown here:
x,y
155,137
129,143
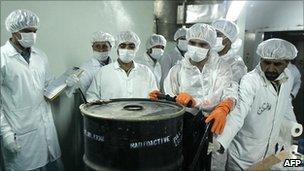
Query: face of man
x,y
17,35
101,46
226,42
273,68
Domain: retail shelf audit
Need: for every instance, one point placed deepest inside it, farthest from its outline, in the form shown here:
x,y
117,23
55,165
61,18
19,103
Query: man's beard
x,y
271,76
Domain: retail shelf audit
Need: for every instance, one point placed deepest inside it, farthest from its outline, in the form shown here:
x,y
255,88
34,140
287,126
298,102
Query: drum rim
x,y
151,118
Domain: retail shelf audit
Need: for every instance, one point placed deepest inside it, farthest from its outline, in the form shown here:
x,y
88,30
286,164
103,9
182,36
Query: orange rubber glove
x,y
219,115
184,99
154,94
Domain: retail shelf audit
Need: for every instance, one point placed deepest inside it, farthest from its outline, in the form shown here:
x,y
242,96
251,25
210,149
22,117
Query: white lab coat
x,y
296,77
111,81
205,86
24,110
154,67
252,128
167,62
90,67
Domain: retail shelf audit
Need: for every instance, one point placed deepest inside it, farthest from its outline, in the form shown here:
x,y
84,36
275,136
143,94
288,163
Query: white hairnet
x,y
228,28
181,32
20,19
277,49
100,36
203,32
128,36
156,39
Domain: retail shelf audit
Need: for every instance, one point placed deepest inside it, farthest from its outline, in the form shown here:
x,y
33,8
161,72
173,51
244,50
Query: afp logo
x,y
293,163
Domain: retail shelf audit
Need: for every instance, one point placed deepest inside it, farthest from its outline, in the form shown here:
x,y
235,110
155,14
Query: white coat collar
x,y
11,50
282,78
117,66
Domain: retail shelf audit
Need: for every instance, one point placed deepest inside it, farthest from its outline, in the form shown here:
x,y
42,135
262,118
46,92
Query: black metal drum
x,y
133,134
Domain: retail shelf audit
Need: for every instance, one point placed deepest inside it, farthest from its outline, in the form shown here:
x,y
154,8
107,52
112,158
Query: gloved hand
x,y
154,94
219,115
72,80
184,99
11,145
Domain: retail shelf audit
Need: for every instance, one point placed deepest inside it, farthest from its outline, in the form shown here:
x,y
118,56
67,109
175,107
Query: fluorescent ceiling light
x,y
234,10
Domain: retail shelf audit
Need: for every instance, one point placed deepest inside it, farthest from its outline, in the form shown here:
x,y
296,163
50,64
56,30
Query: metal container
x,y
133,134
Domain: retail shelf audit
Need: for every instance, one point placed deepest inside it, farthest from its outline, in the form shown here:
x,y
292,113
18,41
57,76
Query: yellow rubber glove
x,y
184,99
154,94
219,115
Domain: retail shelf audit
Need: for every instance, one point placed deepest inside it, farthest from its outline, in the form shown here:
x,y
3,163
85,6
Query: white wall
x,y
66,26
65,33
274,14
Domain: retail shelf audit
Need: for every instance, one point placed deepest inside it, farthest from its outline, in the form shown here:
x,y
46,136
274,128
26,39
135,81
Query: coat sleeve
x,y
94,91
152,82
171,82
297,82
236,118
6,131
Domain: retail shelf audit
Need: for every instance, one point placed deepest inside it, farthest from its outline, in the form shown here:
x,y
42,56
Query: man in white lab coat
x,y
252,129
155,49
200,79
102,44
227,47
123,78
27,128
177,54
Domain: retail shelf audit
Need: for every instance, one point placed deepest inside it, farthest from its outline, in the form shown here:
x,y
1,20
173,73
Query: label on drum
x,y
93,136
177,139
150,143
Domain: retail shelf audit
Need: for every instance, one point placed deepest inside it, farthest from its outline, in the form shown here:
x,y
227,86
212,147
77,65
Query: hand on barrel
x,y
185,99
219,114
154,94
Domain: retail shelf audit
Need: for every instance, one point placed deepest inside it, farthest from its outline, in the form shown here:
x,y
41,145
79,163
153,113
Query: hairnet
x,y
203,32
228,28
156,39
20,19
181,32
277,49
100,36
128,36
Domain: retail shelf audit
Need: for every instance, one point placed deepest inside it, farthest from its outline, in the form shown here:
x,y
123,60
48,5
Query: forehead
x,y
29,29
158,46
127,43
101,43
198,41
273,60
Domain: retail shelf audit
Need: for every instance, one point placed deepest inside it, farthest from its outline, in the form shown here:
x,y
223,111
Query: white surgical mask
x,y
196,54
157,53
219,44
27,39
101,56
182,45
126,55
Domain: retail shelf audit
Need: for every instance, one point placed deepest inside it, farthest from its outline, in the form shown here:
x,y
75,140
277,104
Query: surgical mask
x,y
157,53
219,44
182,45
27,39
126,55
196,54
101,56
